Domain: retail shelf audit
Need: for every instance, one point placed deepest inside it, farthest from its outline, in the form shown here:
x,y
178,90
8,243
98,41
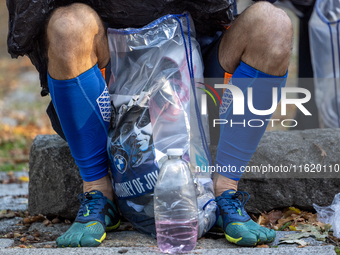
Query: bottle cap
x,y
174,152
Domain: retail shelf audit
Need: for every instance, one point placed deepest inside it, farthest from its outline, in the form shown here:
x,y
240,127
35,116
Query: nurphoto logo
x,y
237,100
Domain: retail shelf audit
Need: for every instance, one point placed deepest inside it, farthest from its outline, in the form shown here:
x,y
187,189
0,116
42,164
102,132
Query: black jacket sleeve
x,y
28,20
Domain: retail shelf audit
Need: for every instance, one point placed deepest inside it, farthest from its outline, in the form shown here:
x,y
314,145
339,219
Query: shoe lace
x,y
88,203
234,203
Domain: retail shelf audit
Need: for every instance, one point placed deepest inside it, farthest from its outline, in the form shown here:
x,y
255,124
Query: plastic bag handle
x,y
191,73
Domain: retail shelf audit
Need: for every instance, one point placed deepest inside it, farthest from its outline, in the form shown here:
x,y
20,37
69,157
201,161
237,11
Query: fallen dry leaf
x,y
37,234
311,217
26,221
262,246
289,211
312,230
6,214
55,221
10,235
37,218
292,228
300,242
296,236
274,216
46,222
297,211
263,220
299,219
15,235
288,219
282,221
24,178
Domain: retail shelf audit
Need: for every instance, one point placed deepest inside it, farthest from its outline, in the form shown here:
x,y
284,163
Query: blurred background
x,y
22,109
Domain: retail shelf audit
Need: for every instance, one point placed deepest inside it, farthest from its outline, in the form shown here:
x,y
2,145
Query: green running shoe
x,y
236,224
96,215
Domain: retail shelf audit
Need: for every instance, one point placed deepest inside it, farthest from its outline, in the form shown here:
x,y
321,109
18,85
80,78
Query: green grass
x,y
14,144
8,146
337,250
7,167
14,154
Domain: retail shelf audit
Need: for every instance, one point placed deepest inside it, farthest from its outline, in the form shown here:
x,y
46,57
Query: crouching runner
x,y
257,45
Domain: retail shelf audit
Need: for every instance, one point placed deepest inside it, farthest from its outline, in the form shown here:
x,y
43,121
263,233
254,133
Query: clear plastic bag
x,y
325,52
154,108
330,214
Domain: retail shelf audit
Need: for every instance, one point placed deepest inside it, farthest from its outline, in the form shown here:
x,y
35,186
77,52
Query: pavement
x,y
128,241
153,251
124,241
13,196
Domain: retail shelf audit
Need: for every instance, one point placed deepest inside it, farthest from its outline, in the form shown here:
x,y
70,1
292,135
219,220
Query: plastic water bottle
x,y
175,205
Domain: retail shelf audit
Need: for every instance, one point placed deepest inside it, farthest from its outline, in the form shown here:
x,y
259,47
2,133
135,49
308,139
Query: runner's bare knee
x,y
76,41
270,38
261,37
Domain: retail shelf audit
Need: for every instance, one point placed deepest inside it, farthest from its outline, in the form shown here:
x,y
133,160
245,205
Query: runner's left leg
x,y
256,51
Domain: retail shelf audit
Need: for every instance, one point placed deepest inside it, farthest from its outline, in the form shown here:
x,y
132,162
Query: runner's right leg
x,y
77,49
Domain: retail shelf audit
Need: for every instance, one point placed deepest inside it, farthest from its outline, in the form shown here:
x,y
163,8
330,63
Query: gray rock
x,y
268,194
55,182
5,243
299,148
293,148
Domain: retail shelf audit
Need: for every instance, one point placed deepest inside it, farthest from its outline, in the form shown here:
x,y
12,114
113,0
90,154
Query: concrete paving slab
x,y
9,193
13,189
14,204
56,229
4,176
313,250
136,239
5,243
9,225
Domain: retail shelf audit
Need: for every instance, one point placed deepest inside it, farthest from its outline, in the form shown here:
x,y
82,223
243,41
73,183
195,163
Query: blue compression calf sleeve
x,y
238,141
84,110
